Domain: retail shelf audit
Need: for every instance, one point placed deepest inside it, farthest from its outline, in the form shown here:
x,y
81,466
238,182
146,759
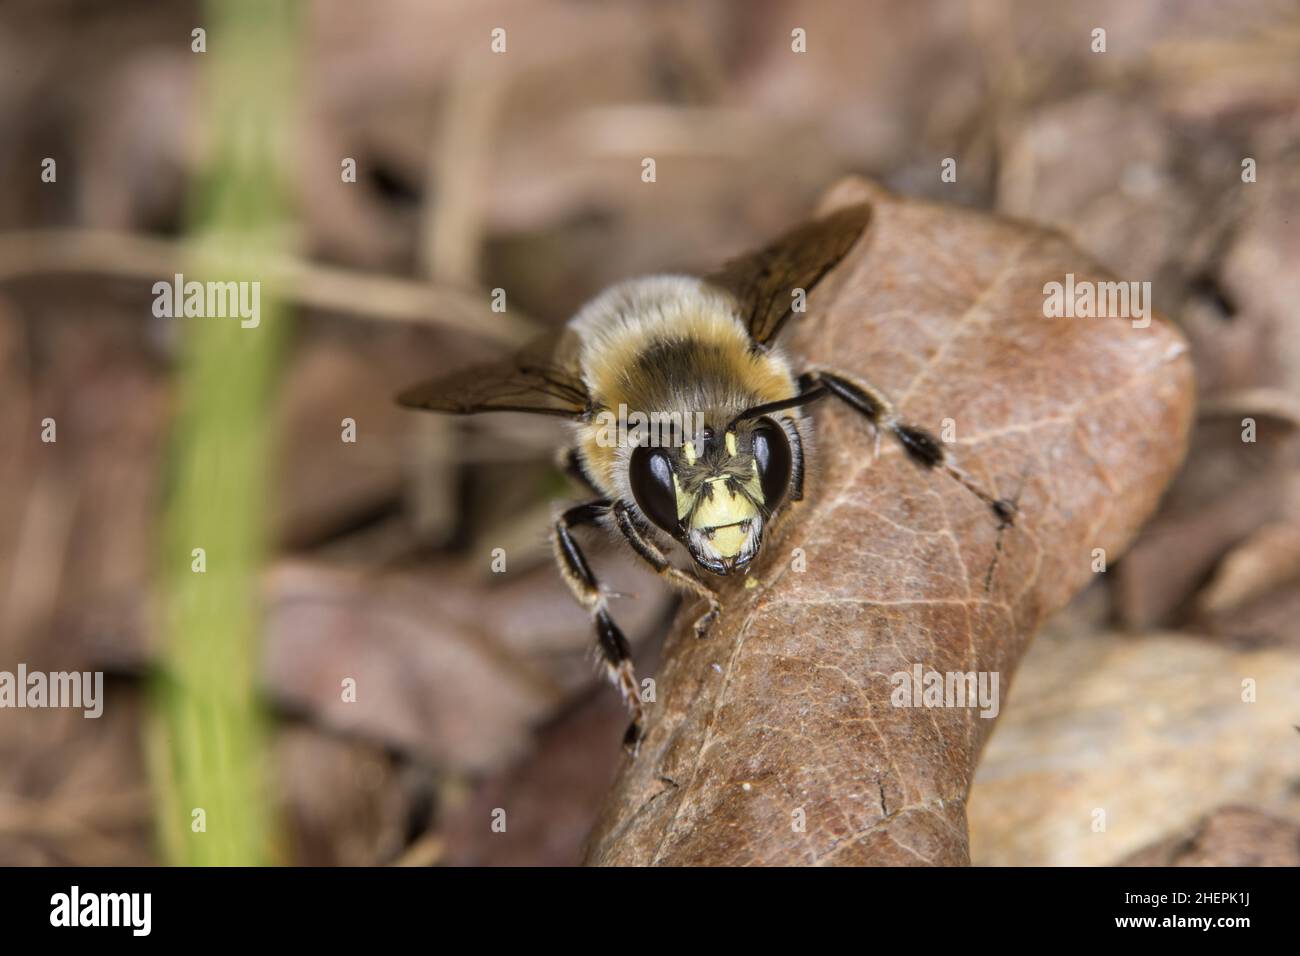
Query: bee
x,y
700,354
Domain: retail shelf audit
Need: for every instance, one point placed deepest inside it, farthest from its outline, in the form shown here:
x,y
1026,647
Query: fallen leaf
x,y
1104,728
344,803
774,739
550,797
1227,489
1231,836
446,667
1267,560
327,384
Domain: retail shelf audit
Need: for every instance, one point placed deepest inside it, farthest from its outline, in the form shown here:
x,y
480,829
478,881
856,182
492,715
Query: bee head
x,y
713,493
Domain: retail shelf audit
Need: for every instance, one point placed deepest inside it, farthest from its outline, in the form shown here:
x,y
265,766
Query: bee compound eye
x,y
772,455
650,474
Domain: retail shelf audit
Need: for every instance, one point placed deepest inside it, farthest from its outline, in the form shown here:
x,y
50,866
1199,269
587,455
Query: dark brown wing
x,y
532,382
764,281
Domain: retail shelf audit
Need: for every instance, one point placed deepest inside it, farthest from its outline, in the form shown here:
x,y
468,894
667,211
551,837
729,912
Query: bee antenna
x,y
757,411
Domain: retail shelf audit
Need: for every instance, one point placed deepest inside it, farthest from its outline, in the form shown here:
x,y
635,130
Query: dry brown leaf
x,y
783,712
1227,490
1104,727
333,378
447,667
1266,560
1252,596
345,803
1230,836
550,797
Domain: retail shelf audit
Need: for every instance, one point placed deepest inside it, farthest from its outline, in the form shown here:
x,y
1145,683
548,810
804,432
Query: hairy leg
x,y
921,446
650,552
610,642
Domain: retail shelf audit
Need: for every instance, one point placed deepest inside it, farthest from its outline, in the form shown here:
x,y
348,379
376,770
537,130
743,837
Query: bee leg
x,y
610,642
1002,527
920,445
649,552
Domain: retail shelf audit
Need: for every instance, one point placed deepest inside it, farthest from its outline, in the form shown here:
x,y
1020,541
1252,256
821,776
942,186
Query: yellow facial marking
x,y
729,541
722,507
688,450
726,513
731,443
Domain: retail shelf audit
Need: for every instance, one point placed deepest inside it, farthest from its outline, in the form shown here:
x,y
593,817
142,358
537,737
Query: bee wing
x,y
764,281
532,382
